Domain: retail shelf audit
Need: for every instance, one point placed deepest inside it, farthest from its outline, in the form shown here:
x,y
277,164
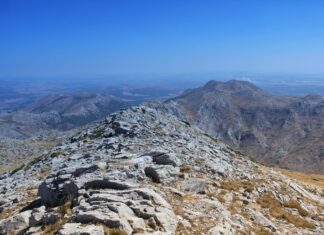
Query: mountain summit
x,y
279,131
141,171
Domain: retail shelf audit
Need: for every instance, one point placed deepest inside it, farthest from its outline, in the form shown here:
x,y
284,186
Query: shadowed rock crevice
x,y
105,184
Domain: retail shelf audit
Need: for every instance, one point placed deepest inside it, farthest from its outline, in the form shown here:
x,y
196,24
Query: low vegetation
x,y
294,204
65,212
17,169
277,211
54,154
220,196
185,168
97,134
52,229
113,231
236,185
308,179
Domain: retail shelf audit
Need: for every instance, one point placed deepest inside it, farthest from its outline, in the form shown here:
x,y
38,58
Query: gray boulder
x,y
79,229
162,174
17,223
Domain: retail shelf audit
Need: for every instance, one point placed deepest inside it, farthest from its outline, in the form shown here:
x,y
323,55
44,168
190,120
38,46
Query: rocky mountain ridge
x,y
141,171
279,131
58,112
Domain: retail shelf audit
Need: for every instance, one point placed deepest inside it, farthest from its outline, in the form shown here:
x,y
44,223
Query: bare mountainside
x,y
280,131
141,171
58,112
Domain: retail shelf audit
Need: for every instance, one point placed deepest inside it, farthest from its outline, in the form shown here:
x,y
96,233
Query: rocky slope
x,y
279,131
27,133
140,171
15,152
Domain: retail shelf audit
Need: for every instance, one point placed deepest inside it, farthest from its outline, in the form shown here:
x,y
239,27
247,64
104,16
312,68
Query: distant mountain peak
x,y
234,85
271,128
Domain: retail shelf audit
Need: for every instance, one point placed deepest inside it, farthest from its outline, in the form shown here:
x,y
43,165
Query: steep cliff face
x,y
142,171
281,131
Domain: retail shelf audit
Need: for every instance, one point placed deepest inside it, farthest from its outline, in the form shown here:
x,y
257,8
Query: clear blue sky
x,y
79,37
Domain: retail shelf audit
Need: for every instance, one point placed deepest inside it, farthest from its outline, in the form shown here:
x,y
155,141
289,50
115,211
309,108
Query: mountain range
x,y
284,131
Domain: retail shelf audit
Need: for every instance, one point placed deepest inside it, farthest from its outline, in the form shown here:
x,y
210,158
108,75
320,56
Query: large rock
x,y
54,193
42,217
260,219
15,224
103,216
165,159
162,174
193,185
79,229
131,210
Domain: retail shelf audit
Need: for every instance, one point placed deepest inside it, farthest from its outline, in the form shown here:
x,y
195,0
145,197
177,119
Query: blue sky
x,y
90,38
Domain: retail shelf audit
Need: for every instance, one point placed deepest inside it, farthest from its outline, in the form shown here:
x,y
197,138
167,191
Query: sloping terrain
x,y
58,112
27,133
141,171
279,131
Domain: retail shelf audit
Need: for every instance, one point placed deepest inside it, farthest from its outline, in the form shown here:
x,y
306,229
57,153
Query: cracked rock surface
x,y
140,171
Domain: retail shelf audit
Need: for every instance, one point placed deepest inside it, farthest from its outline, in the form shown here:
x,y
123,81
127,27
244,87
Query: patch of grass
x,y
236,185
308,179
220,196
66,208
258,230
294,204
276,211
189,197
97,134
54,154
63,210
52,229
42,144
113,231
185,168
33,162
232,209
199,160
17,169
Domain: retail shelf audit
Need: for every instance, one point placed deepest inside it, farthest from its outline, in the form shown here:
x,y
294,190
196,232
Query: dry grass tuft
x,y
236,185
258,230
113,231
220,196
66,208
294,204
189,197
185,168
276,211
52,229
